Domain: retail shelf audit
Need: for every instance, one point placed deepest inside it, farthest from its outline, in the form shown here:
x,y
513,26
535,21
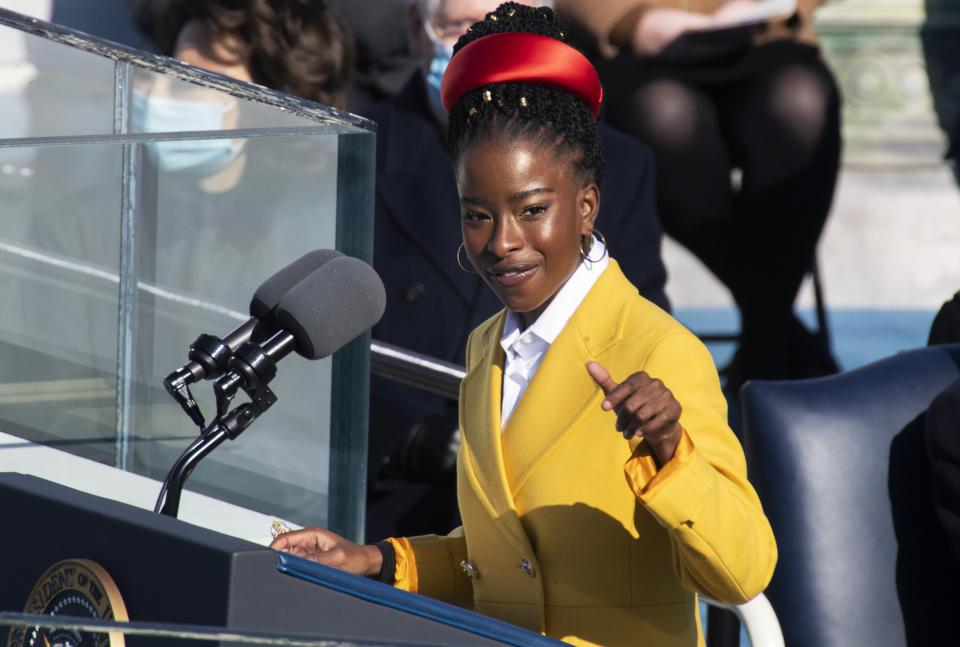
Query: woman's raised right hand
x,y
330,549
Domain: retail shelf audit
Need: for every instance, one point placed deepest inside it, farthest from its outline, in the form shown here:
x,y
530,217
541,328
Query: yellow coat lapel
x,y
482,450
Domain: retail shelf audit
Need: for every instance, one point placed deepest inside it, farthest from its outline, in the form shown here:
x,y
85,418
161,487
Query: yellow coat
x,y
569,529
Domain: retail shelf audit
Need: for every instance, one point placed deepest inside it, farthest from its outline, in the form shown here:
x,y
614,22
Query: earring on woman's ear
x,y
599,234
460,263
585,248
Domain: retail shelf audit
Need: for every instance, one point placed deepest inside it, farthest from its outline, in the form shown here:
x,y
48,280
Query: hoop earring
x,y
460,263
585,251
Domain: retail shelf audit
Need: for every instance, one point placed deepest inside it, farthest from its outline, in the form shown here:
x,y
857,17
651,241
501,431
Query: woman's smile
x,y
510,276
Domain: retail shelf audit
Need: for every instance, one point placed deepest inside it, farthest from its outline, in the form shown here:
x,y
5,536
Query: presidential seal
x,y
79,588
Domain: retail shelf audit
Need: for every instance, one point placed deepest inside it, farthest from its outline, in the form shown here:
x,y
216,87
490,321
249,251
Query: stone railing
x,y
898,66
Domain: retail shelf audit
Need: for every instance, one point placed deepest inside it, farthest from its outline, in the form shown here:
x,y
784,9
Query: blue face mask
x,y
438,65
153,114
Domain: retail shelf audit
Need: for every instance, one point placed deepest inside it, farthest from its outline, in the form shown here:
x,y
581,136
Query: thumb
x,y
601,376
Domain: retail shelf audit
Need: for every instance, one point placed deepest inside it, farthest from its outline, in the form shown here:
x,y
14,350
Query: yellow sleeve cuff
x,y
405,575
641,469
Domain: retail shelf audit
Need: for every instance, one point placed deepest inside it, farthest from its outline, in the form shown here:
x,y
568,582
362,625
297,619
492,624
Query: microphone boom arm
x,y
231,426
252,367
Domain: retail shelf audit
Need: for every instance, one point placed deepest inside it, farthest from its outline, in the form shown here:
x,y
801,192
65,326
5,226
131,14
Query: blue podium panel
x,y
169,571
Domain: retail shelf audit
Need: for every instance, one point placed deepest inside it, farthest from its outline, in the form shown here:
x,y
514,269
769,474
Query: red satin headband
x,y
517,56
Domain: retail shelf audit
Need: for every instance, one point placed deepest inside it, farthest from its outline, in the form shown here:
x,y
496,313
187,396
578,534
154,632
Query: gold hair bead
x,y
523,101
487,96
512,12
472,111
493,17
499,102
561,34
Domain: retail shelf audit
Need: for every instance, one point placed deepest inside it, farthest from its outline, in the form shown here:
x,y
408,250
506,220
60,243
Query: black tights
x,y
781,129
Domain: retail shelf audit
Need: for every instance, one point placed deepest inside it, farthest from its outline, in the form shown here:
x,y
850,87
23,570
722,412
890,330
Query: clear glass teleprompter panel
x,y
59,257
205,240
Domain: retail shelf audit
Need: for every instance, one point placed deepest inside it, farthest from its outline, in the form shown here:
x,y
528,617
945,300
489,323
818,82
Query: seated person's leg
x,y
679,122
694,199
785,136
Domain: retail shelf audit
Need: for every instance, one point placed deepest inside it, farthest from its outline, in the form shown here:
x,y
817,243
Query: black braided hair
x,y
536,113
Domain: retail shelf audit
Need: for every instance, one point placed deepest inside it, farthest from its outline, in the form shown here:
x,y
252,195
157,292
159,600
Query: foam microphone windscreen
x,y
332,306
270,292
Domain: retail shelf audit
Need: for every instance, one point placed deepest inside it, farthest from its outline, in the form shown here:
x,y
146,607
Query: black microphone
x,y
332,306
209,355
268,295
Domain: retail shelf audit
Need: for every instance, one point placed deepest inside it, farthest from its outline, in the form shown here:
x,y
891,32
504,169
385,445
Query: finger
x,y
626,408
660,417
637,422
602,377
650,425
653,427
640,411
638,383
634,429
293,540
299,551
632,395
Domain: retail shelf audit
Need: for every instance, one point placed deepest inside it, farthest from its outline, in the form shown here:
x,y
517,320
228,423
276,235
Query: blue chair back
x,y
819,454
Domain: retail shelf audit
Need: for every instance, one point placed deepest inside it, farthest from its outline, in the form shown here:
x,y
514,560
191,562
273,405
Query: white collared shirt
x,y
524,349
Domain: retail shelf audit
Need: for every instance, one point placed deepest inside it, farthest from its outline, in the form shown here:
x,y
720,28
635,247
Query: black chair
x,y
821,453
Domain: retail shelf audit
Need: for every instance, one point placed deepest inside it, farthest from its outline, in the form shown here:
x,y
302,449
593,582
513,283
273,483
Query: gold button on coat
x,y
470,570
526,566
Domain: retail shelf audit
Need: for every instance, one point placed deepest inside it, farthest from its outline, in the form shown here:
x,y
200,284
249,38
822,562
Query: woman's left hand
x,y
644,407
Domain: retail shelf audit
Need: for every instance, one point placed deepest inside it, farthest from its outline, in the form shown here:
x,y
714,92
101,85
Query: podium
x,y
169,571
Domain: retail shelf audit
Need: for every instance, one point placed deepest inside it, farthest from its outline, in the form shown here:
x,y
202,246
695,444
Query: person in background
x,y
941,62
432,302
600,487
298,47
735,100
945,328
384,61
925,500
924,487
